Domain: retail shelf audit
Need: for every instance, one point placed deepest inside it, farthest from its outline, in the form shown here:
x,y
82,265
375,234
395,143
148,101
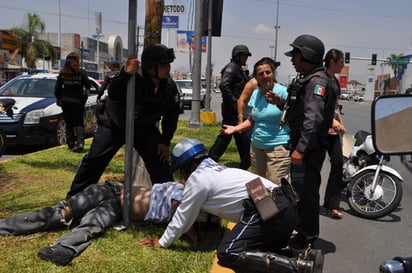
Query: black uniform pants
x,y
242,139
106,142
252,234
335,184
306,179
73,114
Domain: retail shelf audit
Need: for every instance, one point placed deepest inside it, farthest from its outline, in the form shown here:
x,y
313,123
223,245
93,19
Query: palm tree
x,y
33,48
395,66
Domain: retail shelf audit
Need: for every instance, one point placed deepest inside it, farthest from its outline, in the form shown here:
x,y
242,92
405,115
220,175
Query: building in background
x,y
12,62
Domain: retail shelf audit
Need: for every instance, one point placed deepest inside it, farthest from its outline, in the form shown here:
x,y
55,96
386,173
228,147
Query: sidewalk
x,y
216,268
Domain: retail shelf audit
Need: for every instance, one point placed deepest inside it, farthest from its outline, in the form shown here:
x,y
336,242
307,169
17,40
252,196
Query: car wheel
x,y
2,142
60,134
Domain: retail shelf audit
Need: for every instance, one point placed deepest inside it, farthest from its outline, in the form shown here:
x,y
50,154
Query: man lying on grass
x,y
91,212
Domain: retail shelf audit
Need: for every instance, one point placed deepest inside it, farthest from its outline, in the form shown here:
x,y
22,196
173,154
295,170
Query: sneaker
x,y
335,214
57,254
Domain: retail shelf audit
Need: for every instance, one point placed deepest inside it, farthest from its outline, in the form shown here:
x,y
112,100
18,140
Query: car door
x,y
90,121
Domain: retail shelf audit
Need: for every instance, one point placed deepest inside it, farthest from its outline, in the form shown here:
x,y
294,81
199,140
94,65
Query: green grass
x,y
43,178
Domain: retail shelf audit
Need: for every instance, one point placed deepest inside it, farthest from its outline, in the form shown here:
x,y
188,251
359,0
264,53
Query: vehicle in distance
x,y
345,95
187,89
36,119
358,97
181,99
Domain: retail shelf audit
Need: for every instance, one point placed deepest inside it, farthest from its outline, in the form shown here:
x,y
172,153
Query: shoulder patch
x,y
319,90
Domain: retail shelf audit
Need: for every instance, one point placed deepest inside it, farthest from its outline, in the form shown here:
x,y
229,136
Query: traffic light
x,y
374,59
217,9
347,57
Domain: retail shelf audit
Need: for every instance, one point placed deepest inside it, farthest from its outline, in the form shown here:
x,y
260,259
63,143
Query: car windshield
x,y
29,87
185,84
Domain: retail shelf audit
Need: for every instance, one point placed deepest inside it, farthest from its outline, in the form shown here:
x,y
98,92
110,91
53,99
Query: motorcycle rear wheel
x,y
384,200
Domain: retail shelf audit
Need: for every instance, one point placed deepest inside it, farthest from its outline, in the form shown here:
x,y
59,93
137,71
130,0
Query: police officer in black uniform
x,y
234,79
310,112
101,96
71,92
156,99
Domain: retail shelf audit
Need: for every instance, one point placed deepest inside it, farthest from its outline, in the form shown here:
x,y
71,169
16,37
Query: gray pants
x,y
97,208
94,210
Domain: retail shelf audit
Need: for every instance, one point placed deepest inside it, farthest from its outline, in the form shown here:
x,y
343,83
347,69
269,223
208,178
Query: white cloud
x,y
261,28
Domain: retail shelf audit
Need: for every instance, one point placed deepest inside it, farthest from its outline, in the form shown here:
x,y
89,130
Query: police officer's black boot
x,y
70,138
308,253
250,261
30,222
79,146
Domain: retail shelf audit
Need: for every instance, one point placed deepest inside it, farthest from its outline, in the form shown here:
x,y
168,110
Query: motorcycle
x,y
373,188
6,107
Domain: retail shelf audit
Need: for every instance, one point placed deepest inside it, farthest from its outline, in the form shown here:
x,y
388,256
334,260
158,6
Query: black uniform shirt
x,y
310,117
232,82
72,87
151,105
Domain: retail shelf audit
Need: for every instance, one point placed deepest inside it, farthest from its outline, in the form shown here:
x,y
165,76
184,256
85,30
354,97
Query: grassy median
x,y
43,178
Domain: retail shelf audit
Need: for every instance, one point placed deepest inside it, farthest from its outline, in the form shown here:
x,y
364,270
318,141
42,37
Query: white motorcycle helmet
x,y
185,150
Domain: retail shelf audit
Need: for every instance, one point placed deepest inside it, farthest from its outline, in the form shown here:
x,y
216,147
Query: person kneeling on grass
x,y
91,212
256,243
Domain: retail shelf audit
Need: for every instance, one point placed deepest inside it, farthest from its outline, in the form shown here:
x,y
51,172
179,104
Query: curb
x,y
216,268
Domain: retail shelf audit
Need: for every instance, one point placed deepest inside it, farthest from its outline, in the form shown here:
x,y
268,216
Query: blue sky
x,y
361,27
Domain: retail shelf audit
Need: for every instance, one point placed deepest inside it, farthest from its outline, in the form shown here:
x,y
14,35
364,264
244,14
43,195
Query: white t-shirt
x,y
215,189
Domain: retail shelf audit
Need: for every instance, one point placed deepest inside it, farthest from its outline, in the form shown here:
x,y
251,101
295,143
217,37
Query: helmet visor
x,y
292,52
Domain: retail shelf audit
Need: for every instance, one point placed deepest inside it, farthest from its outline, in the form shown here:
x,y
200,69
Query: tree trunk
x,y
153,21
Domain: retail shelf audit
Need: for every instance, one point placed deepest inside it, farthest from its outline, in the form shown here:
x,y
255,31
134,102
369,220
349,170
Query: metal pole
x,y
197,60
129,168
81,54
276,31
209,56
59,37
97,55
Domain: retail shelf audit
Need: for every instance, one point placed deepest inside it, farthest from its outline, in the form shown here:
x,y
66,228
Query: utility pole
x,y
197,61
59,37
129,162
276,32
98,35
209,56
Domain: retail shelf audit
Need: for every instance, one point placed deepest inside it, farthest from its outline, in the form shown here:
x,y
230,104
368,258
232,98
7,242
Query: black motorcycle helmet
x,y
310,47
156,54
240,50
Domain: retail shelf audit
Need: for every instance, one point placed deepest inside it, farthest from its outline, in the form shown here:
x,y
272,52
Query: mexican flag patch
x,y
319,90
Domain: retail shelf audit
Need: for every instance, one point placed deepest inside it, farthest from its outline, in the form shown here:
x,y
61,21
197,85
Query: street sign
x,y
174,9
170,21
399,61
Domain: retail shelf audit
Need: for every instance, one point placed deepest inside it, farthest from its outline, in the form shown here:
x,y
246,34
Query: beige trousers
x,y
273,163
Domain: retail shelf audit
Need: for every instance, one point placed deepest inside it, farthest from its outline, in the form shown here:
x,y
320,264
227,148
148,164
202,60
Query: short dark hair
x,y
266,60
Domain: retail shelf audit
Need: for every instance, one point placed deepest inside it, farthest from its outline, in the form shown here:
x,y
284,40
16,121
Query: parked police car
x,y
36,118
